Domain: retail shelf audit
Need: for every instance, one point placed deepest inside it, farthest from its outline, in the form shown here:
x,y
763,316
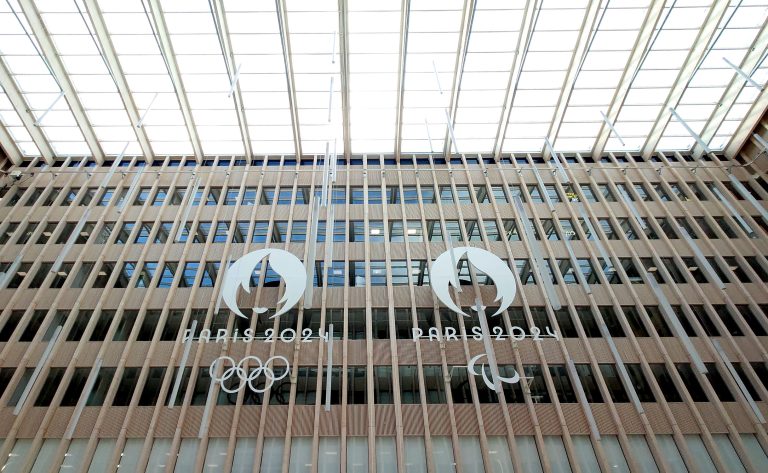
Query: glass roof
x,y
220,77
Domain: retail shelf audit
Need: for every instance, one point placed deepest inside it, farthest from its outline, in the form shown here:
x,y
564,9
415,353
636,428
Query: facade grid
x,y
650,299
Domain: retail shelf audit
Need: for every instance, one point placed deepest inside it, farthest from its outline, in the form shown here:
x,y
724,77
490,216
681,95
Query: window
x,y
641,191
588,382
124,233
446,194
249,196
203,230
214,194
163,232
473,230
664,380
434,230
69,197
222,232
298,231
396,233
552,193
691,382
357,273
606,192
515,190
613,383
152,386
148,325
231,196
127,320
376,230
378,273
399,272
127,385
142,196
393,195
189,274
88,196
453,230
51,197
143,235
608,230
260,232
382,385
640,383
492,230
498,194
210,272
306,385
167,275
160,196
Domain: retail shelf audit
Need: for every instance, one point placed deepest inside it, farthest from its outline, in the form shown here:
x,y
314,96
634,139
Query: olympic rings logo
x,y
247,374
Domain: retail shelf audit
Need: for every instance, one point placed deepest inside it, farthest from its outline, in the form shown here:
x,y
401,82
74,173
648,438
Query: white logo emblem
x,y
488,382
285,264
247,375
443,274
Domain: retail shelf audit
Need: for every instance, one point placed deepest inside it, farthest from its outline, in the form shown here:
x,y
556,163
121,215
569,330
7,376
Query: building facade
x,y
636,339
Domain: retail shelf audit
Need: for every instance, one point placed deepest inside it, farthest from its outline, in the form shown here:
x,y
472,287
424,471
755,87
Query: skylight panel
x,y
193,33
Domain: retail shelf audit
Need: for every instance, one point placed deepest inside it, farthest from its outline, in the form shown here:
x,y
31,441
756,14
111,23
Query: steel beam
x,y
116,71
527,25
282,21
344,72
27,118
405,14
458,73
166,48
747,125
60,73
751,61
8,145
697,52
233,72
589,25
642,44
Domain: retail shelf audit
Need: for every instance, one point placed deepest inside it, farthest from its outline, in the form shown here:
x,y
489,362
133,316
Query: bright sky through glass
x,y
506,73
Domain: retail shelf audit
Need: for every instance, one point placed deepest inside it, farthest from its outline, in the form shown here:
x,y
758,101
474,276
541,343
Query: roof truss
x,y
116,71
166,48
60,73
699,50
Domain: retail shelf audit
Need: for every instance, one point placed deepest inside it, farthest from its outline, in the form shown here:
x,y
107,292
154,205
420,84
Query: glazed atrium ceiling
x,y
297,77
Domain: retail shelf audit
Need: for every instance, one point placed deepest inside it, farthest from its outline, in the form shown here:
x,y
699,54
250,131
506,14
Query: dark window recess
x,y
589,383
613,383
642,388
691,382
152,386
562,382
126,387
51,384
718,383
664,380
10,325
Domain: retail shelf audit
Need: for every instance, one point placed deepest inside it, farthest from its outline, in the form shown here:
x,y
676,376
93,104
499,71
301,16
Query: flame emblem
x,y
443,274
285,264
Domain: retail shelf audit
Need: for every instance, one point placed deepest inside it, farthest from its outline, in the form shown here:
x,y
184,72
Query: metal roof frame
x,y
116,71
8,145
583,43
222,29
166,49
467,16
642,45
27,118
282,19
62,78
532,7
751,61
405,13
696,54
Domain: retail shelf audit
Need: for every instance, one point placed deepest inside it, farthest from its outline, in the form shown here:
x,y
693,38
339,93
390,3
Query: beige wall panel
x,y
277,418
303,420
356,353
466,419
385,419
406,352
248,423
140,420
224,416
330,422
169,418
548,421
382,354
493,419
521,419
413,423
423,297
439,419
357,420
